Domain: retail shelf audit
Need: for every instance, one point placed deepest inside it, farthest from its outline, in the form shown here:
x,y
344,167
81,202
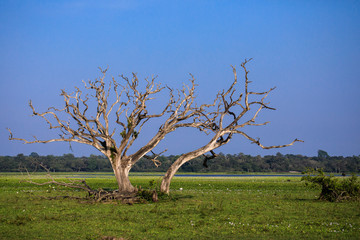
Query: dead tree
x,y
129,111
225,118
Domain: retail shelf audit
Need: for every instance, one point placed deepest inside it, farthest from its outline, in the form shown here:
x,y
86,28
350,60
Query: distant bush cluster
x,y
333,189
222,163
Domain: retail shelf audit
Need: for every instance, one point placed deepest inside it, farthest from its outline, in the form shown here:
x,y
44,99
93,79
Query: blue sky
x,y
308,49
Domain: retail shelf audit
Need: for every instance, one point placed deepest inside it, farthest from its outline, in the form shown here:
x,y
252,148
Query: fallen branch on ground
x,y
96,195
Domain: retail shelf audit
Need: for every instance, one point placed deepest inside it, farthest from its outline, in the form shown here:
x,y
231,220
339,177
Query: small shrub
x,y
147,195
153,194
333,189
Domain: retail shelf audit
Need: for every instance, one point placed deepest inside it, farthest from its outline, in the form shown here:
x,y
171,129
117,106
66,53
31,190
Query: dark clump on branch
x,y
213,155
103,144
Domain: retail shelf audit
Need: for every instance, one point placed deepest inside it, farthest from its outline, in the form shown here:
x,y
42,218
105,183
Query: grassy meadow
x,y
199,208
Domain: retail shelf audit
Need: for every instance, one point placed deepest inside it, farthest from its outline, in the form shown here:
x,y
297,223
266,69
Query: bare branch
x,y
154,157
79,184
257,142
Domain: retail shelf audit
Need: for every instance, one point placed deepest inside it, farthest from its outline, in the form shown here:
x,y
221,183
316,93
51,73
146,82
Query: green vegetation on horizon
x,y
206,208
222,163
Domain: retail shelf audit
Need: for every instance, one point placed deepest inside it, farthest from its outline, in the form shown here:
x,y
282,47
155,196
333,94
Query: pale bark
x,y
165,183
121,172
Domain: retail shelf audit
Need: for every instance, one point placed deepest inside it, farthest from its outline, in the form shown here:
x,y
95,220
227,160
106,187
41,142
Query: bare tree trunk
x,y
121,172
165,183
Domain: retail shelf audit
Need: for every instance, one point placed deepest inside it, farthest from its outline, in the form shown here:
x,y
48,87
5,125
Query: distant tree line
x,y
222,163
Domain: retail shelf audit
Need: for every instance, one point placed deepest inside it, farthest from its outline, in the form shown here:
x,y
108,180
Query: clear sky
x,y
309,50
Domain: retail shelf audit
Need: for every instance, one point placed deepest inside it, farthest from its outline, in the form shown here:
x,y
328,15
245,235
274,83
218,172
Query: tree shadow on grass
x,y
176,196
306,199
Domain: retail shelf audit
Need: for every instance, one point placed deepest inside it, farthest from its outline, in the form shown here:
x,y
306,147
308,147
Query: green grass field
x,y
207,208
